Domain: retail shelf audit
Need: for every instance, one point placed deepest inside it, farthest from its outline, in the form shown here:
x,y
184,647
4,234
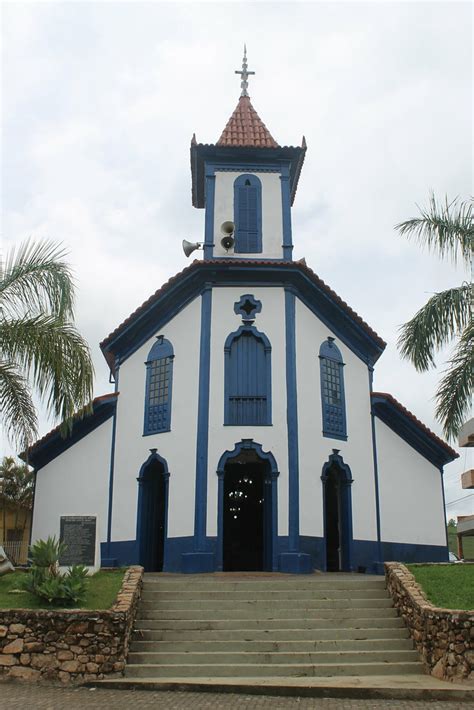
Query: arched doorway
x,y
152,512
247,515
337,480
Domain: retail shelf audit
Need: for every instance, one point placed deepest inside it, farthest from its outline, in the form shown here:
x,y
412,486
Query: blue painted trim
x,y
376,472
239,310
444,506
346,508
202,441
240,235
54,444
247,328
181,291
209,218
286,212
240,158
112,462
271,479
292,423
153,457
330,352
161,349
408,429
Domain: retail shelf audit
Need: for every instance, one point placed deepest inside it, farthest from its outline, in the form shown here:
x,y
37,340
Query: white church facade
x,y
244,432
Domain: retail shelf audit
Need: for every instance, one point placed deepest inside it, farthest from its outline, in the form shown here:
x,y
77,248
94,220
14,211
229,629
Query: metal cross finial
x,y
244,74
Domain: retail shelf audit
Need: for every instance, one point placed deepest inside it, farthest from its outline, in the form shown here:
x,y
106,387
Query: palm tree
x,y
448,230
40,349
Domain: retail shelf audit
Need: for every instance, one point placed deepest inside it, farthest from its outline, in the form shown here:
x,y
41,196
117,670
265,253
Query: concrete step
x,y
264,605
298,657
273,584
276,635
331,622
293,646
233,670
268,613
151,594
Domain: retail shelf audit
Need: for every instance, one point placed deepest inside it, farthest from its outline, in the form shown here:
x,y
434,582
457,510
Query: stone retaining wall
x,y
70,645
443,637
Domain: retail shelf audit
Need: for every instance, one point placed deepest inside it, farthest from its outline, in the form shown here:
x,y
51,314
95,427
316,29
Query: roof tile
x,y
245,128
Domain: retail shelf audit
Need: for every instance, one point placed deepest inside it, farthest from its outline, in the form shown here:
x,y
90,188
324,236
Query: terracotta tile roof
x,y
245,128
406,412
198,264
77,415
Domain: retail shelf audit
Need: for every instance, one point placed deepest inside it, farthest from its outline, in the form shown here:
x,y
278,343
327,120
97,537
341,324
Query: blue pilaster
x,y
201,560
379,568
286,212
108,560
209,219
292,561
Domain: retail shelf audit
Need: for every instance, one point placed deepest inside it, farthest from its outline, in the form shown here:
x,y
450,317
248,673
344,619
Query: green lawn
x,y
467,543
101,592
448,586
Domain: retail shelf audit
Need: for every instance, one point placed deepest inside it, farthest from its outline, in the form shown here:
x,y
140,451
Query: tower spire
x,y
244,74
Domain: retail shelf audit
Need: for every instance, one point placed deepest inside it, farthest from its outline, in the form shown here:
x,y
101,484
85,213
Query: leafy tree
x,y
448,230
16,489
41,350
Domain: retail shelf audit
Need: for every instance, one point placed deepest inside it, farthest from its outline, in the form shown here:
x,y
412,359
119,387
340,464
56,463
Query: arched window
x,y
248,214
332,390
247,378
159,377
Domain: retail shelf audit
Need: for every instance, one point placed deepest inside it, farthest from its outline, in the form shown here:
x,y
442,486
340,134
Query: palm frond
x,y
447,229
454,394
36,279
16,407
56,357
444,316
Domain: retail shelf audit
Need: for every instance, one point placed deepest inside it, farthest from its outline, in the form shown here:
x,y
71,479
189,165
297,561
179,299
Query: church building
x,y
244,432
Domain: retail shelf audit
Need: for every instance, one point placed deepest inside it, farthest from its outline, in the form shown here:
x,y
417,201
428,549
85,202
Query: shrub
x,y
44,579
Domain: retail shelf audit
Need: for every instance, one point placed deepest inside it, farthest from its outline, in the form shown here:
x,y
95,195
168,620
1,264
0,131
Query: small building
x,y
244,432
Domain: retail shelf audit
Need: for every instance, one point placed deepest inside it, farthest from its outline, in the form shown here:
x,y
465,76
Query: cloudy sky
x,y
100,100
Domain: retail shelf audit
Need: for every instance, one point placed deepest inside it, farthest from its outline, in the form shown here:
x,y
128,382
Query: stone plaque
x,y
78,533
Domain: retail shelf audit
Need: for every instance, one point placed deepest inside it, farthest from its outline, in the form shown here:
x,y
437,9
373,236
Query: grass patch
x,y
447,586
101,592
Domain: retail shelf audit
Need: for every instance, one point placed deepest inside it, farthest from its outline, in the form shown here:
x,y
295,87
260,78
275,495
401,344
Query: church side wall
x,y
411,499
315,449
177,447
272,220
75,483
270,321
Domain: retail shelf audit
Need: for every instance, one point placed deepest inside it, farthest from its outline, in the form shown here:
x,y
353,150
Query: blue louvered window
x,y
247,378
332,391
248,214
159,378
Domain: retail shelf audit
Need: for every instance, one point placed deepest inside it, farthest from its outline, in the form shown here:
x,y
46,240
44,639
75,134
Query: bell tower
x,y
246,182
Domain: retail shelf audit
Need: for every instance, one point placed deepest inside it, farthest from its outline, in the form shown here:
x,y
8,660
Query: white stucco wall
x,y
272,226
273,438
314,449
177,446
411,499
75,483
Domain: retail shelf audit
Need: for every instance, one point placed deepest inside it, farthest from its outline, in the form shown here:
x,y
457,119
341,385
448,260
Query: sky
x,y
100,100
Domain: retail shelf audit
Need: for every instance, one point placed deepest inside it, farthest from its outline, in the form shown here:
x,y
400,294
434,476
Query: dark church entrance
x,y
247,531
151,515
338,518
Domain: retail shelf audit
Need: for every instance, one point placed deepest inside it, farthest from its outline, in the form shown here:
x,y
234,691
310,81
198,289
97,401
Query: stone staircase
x,y
249,626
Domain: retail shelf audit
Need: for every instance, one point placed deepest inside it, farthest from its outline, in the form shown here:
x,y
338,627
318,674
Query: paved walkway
x,y
18,696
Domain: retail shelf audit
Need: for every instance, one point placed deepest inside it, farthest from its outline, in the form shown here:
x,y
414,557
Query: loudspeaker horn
x,y
227,227
189,247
